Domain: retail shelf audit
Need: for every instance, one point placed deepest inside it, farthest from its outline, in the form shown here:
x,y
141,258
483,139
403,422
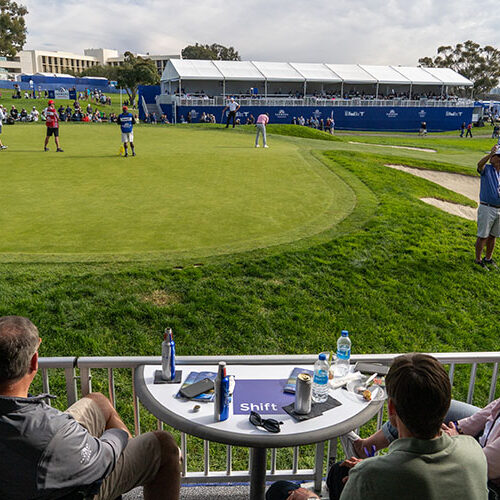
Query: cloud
x,y
345,31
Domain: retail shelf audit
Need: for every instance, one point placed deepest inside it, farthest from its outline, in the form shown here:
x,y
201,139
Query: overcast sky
x,y
336,31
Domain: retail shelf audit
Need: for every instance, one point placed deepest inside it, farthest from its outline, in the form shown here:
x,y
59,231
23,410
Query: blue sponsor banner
x,y
397,118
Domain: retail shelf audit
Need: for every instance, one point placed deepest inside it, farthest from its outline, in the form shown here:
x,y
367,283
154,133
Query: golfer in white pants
x,y
262,121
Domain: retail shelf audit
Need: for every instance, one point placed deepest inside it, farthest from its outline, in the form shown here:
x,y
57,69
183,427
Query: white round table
x,y
160,400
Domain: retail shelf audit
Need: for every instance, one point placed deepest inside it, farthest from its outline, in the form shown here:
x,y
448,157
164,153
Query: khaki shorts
x,y
127,137
137,465
488,221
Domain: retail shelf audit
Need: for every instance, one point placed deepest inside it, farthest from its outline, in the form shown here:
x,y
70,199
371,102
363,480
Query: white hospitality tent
x,y
317,76
238,71
197,72
385,75
449,77
277,73
219,74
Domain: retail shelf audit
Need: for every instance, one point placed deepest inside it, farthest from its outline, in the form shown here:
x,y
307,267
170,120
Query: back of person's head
x,y
19,340
421,392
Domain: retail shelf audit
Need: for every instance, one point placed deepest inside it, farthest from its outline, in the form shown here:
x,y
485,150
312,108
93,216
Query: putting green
x,y
192,192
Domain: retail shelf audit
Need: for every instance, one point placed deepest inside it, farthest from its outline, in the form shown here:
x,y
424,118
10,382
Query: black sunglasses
x,y
270,424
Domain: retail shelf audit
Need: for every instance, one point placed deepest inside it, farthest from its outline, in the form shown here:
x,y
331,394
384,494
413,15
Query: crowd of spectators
x,y
327,94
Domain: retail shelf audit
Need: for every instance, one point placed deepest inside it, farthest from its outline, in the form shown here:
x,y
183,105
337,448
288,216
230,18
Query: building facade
x,y
42,61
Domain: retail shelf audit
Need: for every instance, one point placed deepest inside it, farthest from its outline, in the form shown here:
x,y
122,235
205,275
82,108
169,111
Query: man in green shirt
x,y
423,463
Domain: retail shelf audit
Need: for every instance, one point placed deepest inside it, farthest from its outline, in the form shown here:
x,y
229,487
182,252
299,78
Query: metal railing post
x,y
318,465
85,381
71,390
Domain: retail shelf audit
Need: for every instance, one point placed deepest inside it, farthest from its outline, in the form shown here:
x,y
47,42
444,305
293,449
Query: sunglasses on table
x,y
270,424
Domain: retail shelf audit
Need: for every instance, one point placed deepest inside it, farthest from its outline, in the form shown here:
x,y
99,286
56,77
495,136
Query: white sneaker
x,y
347,441
266,146
257,146
4,147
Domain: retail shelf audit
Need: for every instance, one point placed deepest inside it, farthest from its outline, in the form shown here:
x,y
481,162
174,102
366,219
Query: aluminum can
x,y
303,394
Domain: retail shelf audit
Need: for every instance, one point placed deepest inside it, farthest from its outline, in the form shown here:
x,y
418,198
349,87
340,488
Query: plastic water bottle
x,y
341,368
320,380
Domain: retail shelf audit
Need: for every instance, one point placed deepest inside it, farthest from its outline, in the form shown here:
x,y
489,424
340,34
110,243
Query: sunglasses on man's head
x,y
270,424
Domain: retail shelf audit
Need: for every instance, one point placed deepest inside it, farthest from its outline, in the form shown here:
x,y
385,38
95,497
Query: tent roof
x,y
385,74
239,70
352,73
191,69
314,72
278,71
449,77
417,75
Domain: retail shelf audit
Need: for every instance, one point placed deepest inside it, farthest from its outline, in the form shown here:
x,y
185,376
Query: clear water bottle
x,y
341,368
320,380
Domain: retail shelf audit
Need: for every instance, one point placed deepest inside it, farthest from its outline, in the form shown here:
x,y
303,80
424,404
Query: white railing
x,y
79,373
321,102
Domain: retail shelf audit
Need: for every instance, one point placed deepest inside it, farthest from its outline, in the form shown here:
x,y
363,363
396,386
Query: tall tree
x,y
479,64
12,28
215,52
136,71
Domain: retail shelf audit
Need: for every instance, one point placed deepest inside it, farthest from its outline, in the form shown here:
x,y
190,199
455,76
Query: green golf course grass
x,y
185,193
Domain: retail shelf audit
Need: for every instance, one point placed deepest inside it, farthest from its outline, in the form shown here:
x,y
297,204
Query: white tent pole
x,y
224,88
376,91
180,88
342,89
305,88
265,88
411,88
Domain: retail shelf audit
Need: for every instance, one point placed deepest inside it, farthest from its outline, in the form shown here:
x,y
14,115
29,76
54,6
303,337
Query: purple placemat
x,y
263,396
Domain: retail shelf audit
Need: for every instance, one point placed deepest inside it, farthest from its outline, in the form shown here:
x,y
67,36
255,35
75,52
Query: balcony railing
x,y
321,102
469,373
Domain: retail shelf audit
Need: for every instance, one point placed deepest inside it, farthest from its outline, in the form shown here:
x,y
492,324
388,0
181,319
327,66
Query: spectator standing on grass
x,y
469,131
3,117
127,121
262,121
84,452
488,213
462,129
52,122
233,106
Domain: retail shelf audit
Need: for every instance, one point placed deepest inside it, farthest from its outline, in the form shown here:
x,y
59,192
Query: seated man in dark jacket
x,y
85,452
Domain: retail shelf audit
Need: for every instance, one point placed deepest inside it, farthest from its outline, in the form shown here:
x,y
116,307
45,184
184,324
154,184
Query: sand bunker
x,y
425,150
462,184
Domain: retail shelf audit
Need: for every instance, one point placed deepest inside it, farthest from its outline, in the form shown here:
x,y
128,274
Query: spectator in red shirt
x,y
52,122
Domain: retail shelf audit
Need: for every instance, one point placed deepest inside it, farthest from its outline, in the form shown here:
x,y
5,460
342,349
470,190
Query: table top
x,y
160,400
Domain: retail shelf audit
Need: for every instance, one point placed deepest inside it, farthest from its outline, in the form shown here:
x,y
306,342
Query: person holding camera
x,y
488,213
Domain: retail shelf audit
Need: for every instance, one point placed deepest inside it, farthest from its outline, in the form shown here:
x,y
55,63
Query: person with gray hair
x,y
86,452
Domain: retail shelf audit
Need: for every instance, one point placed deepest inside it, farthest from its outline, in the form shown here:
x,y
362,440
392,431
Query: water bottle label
x,y
321,377
343,353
